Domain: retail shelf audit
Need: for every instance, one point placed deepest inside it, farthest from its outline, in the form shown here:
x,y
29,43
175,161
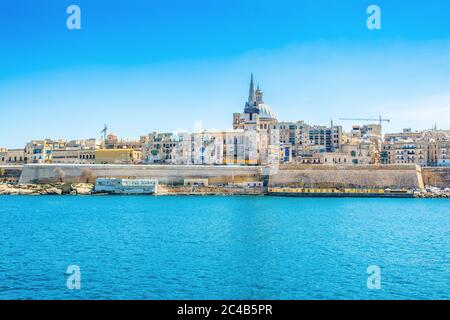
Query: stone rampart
x,y
436,176
351,176
166,174
382,176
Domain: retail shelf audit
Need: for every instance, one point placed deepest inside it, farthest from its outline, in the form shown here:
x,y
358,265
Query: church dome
x,y
255,104
265,112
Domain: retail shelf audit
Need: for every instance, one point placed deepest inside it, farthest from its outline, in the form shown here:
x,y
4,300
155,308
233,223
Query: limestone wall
x,y
436,177
166,174
383,176
10,173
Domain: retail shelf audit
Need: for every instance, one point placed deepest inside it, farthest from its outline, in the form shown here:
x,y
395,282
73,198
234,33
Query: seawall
x,y
320,176
348,176
436,176
10,173
166,174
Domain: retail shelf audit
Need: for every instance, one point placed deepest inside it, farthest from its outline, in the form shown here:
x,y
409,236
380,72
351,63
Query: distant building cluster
x,y
257,138
426,148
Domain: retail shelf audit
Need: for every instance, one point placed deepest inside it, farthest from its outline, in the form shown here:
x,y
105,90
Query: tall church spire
x,y
251,106
251,93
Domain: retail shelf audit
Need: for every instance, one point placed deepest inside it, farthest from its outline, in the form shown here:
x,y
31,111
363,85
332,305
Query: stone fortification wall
x,y
10,173
382,176
437,177
166,174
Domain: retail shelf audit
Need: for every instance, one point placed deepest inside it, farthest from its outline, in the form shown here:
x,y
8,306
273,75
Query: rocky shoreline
x,y
88,189
46,189
433,192
164,190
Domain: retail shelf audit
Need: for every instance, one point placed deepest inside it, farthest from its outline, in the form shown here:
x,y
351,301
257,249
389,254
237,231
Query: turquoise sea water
x,y
223,247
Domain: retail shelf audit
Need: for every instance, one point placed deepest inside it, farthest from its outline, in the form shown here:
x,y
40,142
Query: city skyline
x,y
142,72
229,158
257,138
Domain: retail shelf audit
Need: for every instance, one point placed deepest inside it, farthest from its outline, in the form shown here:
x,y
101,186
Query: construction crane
x,y
379,119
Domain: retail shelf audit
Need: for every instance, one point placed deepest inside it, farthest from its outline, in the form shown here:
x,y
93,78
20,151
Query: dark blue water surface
x,y
223,247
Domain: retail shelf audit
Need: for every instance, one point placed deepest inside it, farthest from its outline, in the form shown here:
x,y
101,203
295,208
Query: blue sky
x,y
160,65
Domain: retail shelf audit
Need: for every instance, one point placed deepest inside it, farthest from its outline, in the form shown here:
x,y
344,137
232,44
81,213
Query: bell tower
x,y
251,126
251,110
